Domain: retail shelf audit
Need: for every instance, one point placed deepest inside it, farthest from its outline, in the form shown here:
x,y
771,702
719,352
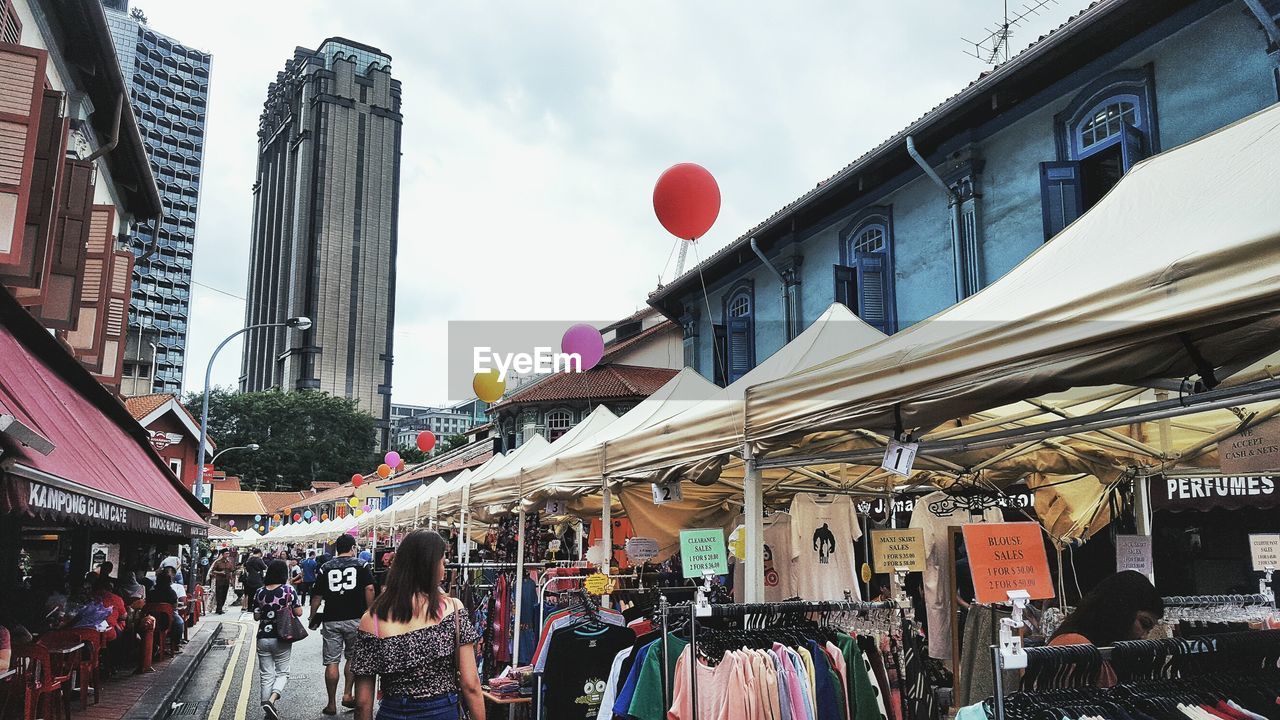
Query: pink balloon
x,y
392,458
353,532
584,341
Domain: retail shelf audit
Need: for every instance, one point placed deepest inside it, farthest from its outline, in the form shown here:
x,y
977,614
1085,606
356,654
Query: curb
x,y
179,671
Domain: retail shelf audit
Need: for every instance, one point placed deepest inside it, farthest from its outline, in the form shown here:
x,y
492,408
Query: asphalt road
x,y
226,687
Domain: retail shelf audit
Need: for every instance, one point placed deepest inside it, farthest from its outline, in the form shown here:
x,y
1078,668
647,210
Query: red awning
x,y
96,456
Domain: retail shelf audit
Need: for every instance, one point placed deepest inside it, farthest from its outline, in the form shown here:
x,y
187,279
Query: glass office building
x,y
169,91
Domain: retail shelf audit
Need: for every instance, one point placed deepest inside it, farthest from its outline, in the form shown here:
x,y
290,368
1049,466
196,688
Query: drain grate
x,y
221,643
187,709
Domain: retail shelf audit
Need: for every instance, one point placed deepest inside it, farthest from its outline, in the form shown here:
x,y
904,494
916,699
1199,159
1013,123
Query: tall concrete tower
x,y
324,228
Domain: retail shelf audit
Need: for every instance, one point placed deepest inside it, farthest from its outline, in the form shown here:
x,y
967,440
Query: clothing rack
x,y
1208,600
700,608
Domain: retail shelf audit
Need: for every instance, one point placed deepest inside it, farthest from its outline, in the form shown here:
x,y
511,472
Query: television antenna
x,y
994,48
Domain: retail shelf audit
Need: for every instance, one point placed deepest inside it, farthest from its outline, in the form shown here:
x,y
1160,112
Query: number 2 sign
x,y
665,492
899,457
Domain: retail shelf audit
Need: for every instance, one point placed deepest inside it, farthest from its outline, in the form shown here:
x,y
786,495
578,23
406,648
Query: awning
x,y
1174,274
102,469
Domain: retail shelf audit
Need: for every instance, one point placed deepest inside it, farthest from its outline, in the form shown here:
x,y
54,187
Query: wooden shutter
x,y
65,265
1132,146
1061,201
21,94
740,347
23,275
116,326
846,280
10,25
875,297
87,337
719,354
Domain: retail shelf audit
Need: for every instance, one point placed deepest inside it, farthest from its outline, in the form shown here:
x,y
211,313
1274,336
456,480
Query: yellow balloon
x,y
489,385
359,512
353,502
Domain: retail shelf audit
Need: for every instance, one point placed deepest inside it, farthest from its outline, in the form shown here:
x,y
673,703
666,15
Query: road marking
x,y
242,708
215,710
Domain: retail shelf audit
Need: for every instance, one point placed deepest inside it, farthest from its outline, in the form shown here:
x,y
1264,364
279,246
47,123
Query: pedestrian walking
x,y
309,567
419,641
254,568
346,591
274,601
221,573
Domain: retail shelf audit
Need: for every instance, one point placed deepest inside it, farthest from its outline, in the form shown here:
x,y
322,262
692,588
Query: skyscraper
x,y
169,90
324,227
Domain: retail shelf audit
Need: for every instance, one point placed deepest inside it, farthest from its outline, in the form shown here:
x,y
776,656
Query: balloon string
x,y
719,362
667,264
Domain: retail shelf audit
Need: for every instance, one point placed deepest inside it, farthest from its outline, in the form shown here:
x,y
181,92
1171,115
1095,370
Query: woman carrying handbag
x,y
277,611
419,641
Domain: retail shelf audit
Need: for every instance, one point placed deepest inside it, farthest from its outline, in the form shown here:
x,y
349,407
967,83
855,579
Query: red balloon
x,y
686,200
296,517
357,480
426,440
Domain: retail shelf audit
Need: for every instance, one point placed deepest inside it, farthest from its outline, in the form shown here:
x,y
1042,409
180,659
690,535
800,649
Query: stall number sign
x,y
1133,552
665,492
1265,550
556,507
702,550
641,549
1004,557
893,549
899,457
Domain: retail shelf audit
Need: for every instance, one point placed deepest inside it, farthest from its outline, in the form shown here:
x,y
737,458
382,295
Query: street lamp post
x,y
296,323
250,447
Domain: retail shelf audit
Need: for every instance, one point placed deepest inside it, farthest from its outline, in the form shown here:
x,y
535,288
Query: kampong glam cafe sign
x,y
65,505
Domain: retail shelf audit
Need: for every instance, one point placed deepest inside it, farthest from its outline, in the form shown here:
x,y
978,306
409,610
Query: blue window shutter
x,y
1060,198
1131,146
740,348
846,279
875,301
720,358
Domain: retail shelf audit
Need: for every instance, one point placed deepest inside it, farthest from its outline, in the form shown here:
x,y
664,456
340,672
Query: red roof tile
x,y
278,501
141,406
602,382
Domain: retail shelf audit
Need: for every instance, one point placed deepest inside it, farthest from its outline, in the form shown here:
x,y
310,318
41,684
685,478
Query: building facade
x,y
409,420
324,228
1016,156
169,91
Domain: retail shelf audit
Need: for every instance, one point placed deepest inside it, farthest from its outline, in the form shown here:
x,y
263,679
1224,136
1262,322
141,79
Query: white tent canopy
x,y
480,481
1175,273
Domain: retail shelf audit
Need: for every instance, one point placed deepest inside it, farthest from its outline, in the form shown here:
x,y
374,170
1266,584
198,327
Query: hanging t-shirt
x,y
577,670
823,565
938,559
777,559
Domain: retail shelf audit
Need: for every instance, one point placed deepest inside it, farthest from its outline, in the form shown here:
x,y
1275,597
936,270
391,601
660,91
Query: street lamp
x,y
250,447
296,323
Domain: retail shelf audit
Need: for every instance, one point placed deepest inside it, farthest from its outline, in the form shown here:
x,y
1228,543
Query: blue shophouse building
x,y
954,201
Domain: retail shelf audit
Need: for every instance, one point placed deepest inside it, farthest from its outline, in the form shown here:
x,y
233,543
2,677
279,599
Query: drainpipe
x,y
115,132
782,281
953,205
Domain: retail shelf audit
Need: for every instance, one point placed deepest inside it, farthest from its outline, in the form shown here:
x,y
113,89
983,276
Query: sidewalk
x,y
147,696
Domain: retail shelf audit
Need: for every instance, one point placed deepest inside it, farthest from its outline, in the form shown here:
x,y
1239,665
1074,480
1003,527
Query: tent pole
x,y
515,625
606,525
1142,485
753,511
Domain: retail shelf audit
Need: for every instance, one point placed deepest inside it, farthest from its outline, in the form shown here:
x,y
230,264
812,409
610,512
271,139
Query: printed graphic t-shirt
x,y
577,670
777,559
342,582
823,565
272,604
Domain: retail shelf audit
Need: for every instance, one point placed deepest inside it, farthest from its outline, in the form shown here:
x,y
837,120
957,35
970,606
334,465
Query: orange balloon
x,y
384,470
324,516
400,467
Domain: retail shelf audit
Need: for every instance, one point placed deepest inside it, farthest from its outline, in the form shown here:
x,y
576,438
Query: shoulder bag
x,y
289,628
457,664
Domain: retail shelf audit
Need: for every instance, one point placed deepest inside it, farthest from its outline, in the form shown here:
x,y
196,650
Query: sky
x,y
534,132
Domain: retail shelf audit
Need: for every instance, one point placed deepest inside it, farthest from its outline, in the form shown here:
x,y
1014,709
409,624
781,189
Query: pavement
x,y
224,685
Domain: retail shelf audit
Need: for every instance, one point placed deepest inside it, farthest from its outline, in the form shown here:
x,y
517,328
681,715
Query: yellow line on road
x,y
215,710
243,707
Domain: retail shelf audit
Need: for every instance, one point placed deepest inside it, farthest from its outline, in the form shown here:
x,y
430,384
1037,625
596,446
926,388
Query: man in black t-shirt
x,y
254,570
344,585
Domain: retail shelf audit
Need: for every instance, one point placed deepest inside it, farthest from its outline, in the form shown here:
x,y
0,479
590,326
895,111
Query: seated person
x,y
163,592
102,591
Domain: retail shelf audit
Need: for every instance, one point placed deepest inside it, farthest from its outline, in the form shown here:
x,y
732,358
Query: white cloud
x,y
534,132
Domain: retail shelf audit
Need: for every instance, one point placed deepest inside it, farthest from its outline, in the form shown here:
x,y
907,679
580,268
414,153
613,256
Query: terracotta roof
x,y
468,456
319,485
343,491
615,349
602,382
987,79
237,502
277,501
141,406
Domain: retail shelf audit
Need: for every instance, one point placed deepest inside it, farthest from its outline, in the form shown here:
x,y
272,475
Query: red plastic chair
x,y
163,613
83,664
41,686
196,604
92,665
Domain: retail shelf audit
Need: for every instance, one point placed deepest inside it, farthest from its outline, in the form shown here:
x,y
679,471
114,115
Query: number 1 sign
x,y
899,457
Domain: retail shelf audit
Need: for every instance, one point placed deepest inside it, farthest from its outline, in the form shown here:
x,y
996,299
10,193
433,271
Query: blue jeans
x,y
438,707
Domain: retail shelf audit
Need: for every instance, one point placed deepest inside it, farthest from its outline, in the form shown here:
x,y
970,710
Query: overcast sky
x,y
534,131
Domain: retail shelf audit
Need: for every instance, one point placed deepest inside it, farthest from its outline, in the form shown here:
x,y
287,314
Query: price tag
x,y
1133,552
1265,550
1004,557
665,492
899,457
596,584
556,507
641,549
703,550
893,549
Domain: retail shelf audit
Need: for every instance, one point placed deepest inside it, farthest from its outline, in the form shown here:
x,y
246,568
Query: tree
x,y
303,436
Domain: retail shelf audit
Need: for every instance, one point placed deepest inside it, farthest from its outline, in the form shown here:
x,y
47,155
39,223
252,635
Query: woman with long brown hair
x,y
419,641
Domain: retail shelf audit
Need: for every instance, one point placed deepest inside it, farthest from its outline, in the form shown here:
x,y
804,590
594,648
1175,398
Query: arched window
x,y
738,348
864,279
1107,120
871,237
558,423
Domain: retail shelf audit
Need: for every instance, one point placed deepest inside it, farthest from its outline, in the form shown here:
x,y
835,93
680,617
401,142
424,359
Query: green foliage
x,y
304,437
452,442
